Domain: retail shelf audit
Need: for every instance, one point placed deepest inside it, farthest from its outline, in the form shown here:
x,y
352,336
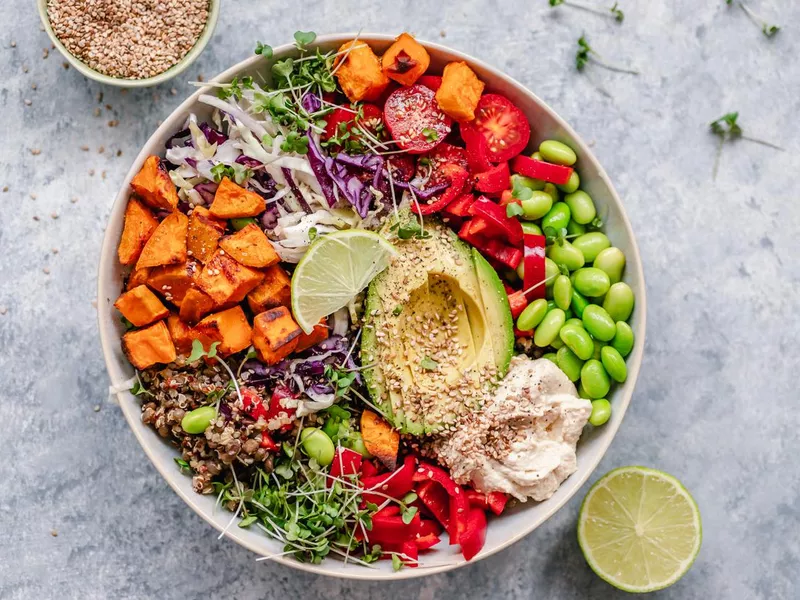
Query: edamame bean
x,y
562,292
566,254
557,153
198,420
551,356
582,392
573,321
537,156
598,347
356,442
581,206
623,340
537,206
601,412
568,314
612,261
550,271
619,301
572,185
599,323
614,364
569,363
579,303
557,217
578,340
548,329
595,379
551,304
317,445
530,228
553,191
591,281
557,343
574,228
532,315
242,222
591,244
528,182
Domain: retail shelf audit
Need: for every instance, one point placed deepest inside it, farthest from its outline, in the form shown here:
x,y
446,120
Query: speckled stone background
x,y
83,514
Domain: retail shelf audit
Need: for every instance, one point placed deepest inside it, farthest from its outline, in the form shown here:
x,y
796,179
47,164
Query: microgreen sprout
x,y
182,465
428,364
615,12
430,134
199,352
514,209
727,128
586,53
397,310
767,29
127,324
303,38
264,50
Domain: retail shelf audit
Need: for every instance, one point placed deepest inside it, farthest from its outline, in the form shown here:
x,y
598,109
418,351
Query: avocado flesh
x,y
435,282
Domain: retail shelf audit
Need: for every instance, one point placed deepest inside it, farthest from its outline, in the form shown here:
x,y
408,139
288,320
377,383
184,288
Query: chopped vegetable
x,y
275,335
140,223
153,185
459,92
141,306
149,346
167,245
359,72
405,60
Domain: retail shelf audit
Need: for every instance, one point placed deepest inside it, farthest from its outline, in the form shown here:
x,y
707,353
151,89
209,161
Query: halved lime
x,y
639,529
335,268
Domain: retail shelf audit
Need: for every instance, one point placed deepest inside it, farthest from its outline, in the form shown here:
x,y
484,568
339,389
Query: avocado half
x,y
437,327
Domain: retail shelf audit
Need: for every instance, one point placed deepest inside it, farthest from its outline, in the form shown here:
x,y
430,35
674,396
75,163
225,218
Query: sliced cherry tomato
x,y
371,119
458,178
414,119
443,154
402,168
276,407
504,126
433,82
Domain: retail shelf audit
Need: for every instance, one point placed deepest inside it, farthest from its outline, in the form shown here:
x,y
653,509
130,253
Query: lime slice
x,y
639,529
333,270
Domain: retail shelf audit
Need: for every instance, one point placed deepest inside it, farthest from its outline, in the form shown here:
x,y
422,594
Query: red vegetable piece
x,y
477,149
395,484
429,526
372,117
276,408
440,156
473,536
537,169
252,404
425,542
504,126
460,206
523,334
458,505
368,468
411,552
345,462
390,510
458,177
497,502
477,500
414,119
506,198
517,302
432,82
534,248
391,529
496,215
402,168
503,253
493,181
268,443
436,500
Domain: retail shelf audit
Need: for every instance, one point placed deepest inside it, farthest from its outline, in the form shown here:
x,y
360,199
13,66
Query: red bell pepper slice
x,y
477,500
493,181
368,468
391,529
503,253
435,499
517,302
252,404
460,206
458,178
458,505
496,215
477,149
534,246
530,167
497,502
473,536
425,542
390,510
345,462
276,408
430,527
523,334
268,443
395,484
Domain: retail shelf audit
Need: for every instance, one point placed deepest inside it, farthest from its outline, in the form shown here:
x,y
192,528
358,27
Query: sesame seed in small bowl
x,y
130,43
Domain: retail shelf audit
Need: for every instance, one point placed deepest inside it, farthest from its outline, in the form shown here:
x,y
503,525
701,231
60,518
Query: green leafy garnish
x,y
767,29
397,310
138,389
303,39
616,12
235,87
128,325
247,521
408,514
514,210
586,53
430,134
341,379
397,564
182,465
312,231
295,142
727,128
235,172
199,352
264,50
428,364
283,68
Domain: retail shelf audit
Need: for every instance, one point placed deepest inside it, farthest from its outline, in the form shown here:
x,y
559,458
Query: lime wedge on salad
x,y
639,529
335,268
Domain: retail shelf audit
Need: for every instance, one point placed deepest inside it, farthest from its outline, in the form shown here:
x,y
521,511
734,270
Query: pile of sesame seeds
x,y
130,39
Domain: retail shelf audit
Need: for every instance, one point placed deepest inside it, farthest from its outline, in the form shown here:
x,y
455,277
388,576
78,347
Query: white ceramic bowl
x,y
512,525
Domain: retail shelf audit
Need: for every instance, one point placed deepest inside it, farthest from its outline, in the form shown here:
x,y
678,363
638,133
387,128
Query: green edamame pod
x,y
582,393
574,228
557,153
598,347
550,271
532,315
619,301
557,217
574,321
578,340
551,356
612,261
317,445
562,292
568,362
599,323
601,412
623,340
594,379
356,443
591,244
548,329
528,182
579,303
531,229
591,281
537,156
557,343
614,364
198,420
242,222
566,254
572,185
581,206
553,191
537,206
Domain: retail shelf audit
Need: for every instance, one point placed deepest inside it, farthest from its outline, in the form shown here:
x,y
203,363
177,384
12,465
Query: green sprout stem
x,y
727,128
766,28
586,53
614,12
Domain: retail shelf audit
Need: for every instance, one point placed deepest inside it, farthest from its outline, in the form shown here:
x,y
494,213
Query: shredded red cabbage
x,y
287,173
207,189
212,135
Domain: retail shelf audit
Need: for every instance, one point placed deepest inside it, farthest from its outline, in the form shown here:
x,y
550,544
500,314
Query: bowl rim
x,y
174,70
108,338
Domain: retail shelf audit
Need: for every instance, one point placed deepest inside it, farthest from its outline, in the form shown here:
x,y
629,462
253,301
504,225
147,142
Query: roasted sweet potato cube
x,y
140,223
359,72
137,277
228,327
141,306
173,281
149,346
204,234
406,60
318,334
226,280
460,91
274,290
250,247
380,439
181,334
232,201
275,335
196,304
153,185
167,245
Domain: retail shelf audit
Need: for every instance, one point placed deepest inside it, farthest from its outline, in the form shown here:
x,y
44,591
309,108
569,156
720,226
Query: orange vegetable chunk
x,y
318,334
153,185
204,234
173,281
196,304
141,306
274,290
380,439
226,280
137,277
406,60
359,72
232,201
228,327
460,91
167,245
250,247
181,334
150,346
140,223
275,335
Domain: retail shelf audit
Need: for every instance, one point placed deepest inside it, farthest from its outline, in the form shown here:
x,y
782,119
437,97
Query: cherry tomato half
x,y
414,119
504,126
371,119
443,154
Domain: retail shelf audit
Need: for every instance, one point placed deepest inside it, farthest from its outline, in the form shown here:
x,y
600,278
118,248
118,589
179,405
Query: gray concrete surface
x,y
84,515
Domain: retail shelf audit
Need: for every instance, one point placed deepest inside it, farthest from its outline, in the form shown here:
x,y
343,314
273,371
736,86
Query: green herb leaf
x,y
283,68
514,210
182,465
582,55
247,521
198,351
409,498
397,564
264,50
138,388
617,12
428,364
408,514
397,310
430,134
304,38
